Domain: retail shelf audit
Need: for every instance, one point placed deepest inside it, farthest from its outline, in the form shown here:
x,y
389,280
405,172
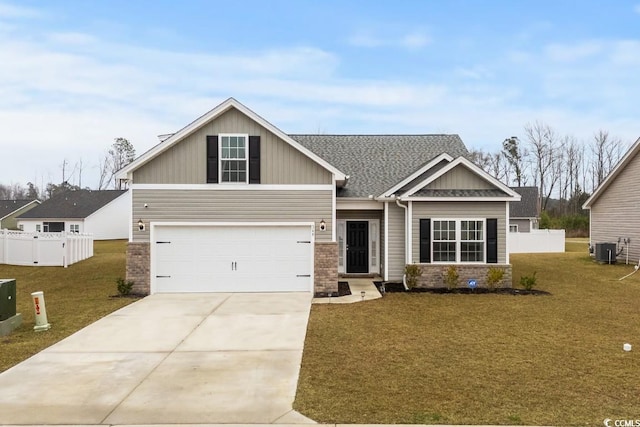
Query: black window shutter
x,y
425,240
254,159
492,240
212,159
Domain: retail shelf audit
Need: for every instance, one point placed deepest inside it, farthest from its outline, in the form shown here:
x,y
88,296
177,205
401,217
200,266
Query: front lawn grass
x,y
75,297
482,359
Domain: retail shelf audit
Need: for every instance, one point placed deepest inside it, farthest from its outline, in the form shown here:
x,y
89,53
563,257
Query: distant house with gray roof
x,y
231,203
105,214
10,209
524,215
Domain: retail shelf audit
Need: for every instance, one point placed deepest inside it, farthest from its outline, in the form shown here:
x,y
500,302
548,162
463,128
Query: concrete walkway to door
x,y
169,359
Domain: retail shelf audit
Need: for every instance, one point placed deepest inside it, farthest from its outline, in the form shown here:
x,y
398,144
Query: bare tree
x,y
544,147
606,151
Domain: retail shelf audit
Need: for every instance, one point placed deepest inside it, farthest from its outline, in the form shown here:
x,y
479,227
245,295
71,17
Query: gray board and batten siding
x,y
460,178
616,214
186,161
232,206
460,210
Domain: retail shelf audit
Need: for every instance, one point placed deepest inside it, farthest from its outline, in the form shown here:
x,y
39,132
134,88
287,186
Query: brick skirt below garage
x,y
138,267
433,275
325,267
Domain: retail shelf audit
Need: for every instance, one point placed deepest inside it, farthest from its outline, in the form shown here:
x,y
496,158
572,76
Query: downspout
x,y
406,250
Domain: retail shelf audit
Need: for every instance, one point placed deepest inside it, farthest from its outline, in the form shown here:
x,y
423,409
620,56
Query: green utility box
x,y
7,298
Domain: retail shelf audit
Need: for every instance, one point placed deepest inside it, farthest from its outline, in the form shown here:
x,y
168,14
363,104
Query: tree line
x,y
565,170
117,156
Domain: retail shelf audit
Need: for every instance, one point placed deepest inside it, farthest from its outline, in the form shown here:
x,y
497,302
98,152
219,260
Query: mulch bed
x,y
343,289
399,287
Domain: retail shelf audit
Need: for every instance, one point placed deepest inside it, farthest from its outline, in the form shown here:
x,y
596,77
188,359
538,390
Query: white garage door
x,y
189,258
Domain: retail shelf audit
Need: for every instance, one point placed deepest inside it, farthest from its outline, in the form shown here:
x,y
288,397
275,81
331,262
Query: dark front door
x,y
357,247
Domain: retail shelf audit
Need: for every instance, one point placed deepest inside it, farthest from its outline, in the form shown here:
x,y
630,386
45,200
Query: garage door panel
x,y
232,259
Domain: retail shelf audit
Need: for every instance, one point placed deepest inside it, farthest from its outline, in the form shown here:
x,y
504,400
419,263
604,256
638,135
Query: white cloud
x,y
415,40
12,11
574,52
412,40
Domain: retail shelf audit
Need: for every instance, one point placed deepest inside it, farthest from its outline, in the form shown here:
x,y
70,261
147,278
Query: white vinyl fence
x,y
44,249
536,241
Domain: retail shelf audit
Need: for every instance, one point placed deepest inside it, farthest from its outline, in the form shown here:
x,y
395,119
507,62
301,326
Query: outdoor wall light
x,y
141,225
362,294
323,225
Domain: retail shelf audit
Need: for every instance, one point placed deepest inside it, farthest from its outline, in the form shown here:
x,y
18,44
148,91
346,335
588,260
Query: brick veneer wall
x,y
433,275
138,264
325,268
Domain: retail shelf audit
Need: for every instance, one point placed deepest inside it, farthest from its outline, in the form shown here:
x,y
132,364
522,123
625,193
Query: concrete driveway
x,y
169,359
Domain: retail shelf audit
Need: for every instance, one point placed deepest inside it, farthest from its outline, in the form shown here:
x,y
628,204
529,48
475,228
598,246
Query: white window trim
x,y
342,233
246,160
458,240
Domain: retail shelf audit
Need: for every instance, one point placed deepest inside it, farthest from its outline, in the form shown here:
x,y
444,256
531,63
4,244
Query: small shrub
x,y
451,277
124,287
528,282
412,272
494,277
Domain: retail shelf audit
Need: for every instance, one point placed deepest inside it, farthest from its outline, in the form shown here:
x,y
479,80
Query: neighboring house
x,y
525,214
10,209
231,203
613,206
105,214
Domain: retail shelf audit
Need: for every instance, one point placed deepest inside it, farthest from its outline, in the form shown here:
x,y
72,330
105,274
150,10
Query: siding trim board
x,y
234,187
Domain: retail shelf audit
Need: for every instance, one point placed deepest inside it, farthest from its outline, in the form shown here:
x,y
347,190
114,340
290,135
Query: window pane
x,y
225,176
233,153
241,154
242,177
225,152
471,252
444,251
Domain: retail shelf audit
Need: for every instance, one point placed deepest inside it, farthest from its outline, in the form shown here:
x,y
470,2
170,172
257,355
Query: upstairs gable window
x,y
233,159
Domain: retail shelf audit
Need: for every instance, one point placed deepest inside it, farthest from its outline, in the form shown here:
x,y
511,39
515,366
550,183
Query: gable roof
x,y
499,190
172,139
72,204
527,207
377,163
8,207
628,157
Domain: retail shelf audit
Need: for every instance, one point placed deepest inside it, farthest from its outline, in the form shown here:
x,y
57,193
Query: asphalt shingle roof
x,y
9,206
73,204
459,193
375,163
527,207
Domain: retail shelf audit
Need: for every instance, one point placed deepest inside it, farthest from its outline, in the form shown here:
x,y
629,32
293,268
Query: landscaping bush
x,y
124,287
494,277
412,272
528,282
451,277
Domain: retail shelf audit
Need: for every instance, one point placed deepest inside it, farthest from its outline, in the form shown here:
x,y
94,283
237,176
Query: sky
x,y
74,75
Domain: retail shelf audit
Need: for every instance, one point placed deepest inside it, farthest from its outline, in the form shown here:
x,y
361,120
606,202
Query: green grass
x,y
482,359
75,297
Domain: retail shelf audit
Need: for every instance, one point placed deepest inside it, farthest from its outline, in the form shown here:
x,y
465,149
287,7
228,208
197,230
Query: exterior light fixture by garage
x,y
362,294
323,225
141,225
